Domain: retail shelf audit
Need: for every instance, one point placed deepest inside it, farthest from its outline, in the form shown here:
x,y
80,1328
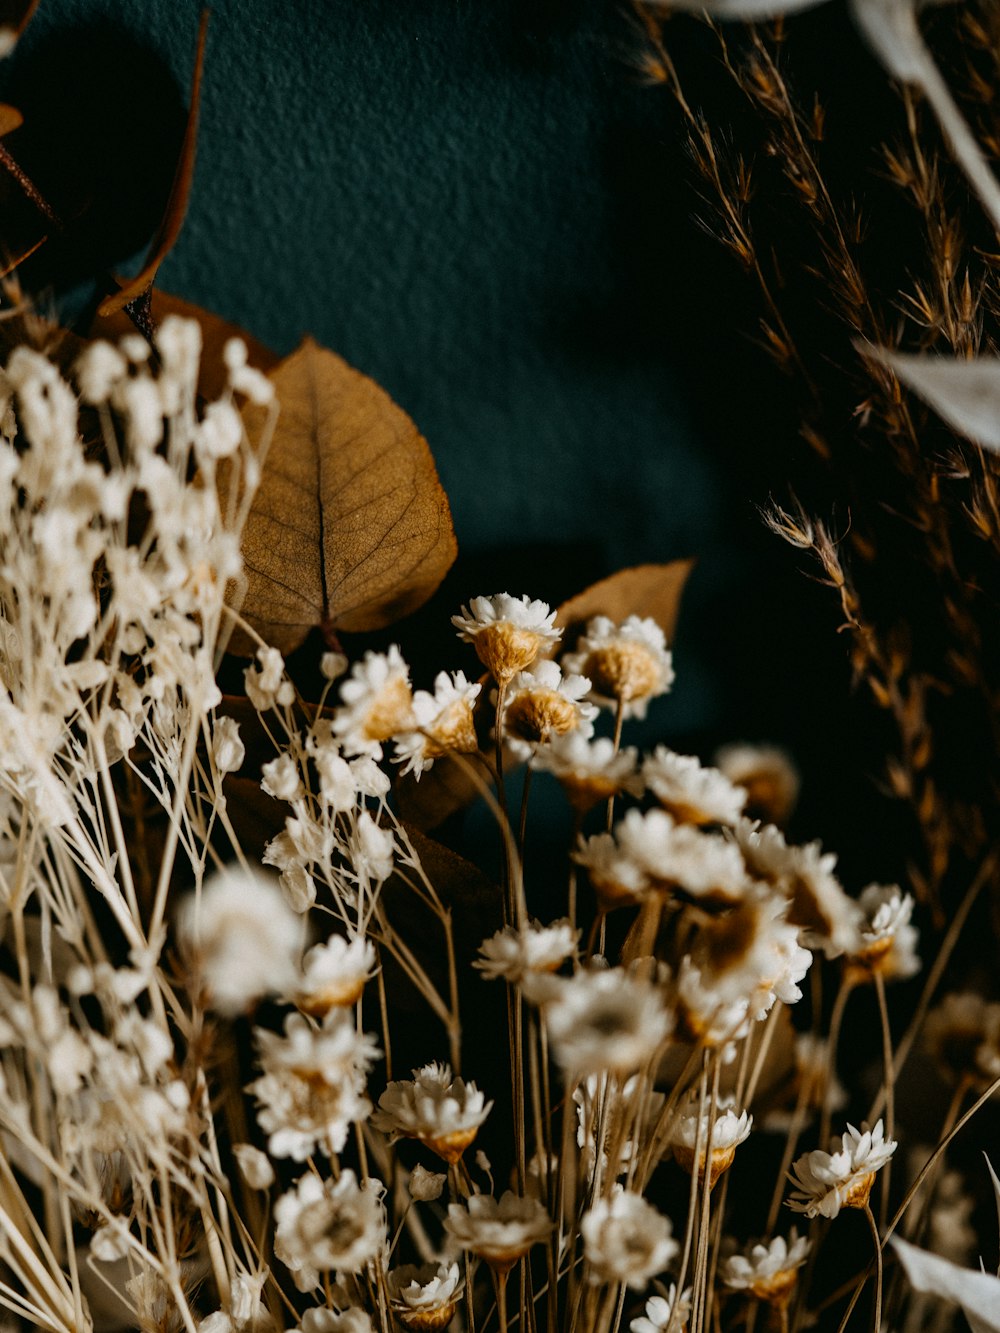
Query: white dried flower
x,y
768,776
245,939
324,1225
425,1296
718,1139
590,770
334,974
441,1111
678,856
626,1239
442,723
629,664
664,1312
605,1020
512,954
376,703
425,1185
767,1272
265,681
499,1232
508,633
616,877
255,1166
542,704
888,941
827,918
228,749
312,1086
691,793
281,778
826,1182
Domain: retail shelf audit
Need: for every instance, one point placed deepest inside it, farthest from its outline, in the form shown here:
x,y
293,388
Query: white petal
x,y
890,27
977,1293
965,393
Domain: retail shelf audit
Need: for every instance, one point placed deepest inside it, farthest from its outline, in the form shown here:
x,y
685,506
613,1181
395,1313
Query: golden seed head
x,y
504,649
623,669
390,711
539,714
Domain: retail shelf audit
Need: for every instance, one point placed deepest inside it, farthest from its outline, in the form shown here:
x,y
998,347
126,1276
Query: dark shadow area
x,y
103,122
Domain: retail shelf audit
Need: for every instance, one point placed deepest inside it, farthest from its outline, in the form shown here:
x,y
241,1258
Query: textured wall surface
x,y
480,204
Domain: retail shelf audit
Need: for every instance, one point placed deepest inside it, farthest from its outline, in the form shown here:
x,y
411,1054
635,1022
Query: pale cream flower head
x,y
243,937
767,1272
443,1112
513,954
767,774
616,877
590,770
696,1140
629,664
825,1182
691,793
664,1312
500,1232
888,942
827,918
543,704
376,703
508,633
676,856
443,723
425,1296
334,974
605,1020
626,1239
325,1225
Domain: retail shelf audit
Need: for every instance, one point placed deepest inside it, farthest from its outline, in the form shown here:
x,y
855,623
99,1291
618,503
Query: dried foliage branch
x,y
915,267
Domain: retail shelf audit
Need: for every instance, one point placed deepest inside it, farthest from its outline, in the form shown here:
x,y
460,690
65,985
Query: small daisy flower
x,y
813,1085
508,633
689,792
376,703
441,1112
678,856
827,918
244,938
512,954
425,1296
705,1015
605,1020
590,771
626,1239
312,1086
729,1130
768,776
888,941
825,1182
324,1225
616,877
542,704
442,722
664,1312
768,1272
499,1232
334,974
426,1185
629,664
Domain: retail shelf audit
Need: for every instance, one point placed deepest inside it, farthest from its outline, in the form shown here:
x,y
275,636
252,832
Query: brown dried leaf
x,y
643,590
177,201
215,333
10,119
350,528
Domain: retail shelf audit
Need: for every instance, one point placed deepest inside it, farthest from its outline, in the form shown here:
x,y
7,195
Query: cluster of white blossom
x,y
220,1112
